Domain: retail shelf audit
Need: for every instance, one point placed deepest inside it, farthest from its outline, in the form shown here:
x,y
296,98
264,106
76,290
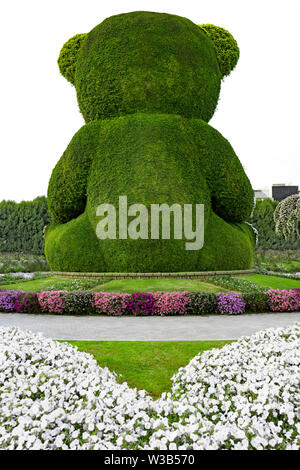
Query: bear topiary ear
x,y
226,47
68,56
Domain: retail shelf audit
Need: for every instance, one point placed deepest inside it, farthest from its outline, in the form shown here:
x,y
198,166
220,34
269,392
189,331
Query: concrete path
x,y
191,328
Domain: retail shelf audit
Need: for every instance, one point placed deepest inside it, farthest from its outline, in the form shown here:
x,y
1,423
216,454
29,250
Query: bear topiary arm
x,y
231,191
67,185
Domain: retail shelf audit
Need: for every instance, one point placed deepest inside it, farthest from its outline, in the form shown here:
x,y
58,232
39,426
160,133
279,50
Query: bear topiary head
x,y
148,62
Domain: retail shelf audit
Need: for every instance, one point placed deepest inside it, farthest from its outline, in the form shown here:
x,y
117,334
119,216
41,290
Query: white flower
x,y
245,395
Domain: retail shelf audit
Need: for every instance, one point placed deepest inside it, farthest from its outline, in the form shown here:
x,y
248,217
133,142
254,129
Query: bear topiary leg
x,y
227,246
74,247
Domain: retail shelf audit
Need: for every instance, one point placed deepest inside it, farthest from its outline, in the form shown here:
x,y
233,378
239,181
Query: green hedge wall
x,y
262,219
22,224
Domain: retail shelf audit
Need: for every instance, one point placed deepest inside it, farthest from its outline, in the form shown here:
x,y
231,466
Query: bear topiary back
x,y
147,84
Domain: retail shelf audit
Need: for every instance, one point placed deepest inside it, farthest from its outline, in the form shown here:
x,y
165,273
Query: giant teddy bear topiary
x,y
147,84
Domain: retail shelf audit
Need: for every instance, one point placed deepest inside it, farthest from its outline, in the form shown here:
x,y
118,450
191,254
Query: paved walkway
x,y
191,328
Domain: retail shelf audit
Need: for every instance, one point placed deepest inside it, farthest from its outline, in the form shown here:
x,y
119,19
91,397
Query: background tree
x,y
262,219
21,225
287,216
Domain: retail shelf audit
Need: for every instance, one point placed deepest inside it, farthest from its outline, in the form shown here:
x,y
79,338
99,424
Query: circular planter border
x,y
183,275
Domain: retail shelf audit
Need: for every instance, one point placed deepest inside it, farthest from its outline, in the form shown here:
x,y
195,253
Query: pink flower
x,y
52,301
286,300
171,303
110,303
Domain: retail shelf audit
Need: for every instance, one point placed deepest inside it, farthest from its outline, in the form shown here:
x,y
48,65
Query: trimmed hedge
x,y
22,224
68,57
226,47
147,303
141,156
147,62
147,84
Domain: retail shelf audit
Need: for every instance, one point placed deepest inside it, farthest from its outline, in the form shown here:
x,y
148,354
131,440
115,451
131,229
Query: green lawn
x,y
122,285
145,364
273,282
154,285
292,264
51,283
146,285
35,285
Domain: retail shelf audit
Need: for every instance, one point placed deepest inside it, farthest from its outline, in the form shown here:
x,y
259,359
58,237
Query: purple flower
x,y
231,303
8,299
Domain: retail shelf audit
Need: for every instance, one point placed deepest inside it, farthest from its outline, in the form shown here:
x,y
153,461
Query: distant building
x,y
260,195
281,191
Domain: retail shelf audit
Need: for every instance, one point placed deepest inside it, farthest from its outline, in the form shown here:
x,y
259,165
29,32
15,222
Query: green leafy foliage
x,y
202,302
18,262
147,84
263,219
147,62
226,47
68,182
73,247
21,225
68,56
142,155
286,262
256,302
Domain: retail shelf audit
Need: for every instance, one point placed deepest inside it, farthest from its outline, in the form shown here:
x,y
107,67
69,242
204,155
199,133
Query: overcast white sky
x,y
259,106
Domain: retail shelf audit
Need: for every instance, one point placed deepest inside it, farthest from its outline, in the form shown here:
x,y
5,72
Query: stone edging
x,y
183,275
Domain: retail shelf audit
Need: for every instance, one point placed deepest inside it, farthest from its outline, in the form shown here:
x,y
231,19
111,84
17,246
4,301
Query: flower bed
x,y
52,301
9,299
243,396
295,275
105,303
147,303
231,303
284,300
235,283
171,303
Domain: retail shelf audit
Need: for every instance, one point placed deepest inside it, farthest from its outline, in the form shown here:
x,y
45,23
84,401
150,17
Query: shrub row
x,y
147,303
22,224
